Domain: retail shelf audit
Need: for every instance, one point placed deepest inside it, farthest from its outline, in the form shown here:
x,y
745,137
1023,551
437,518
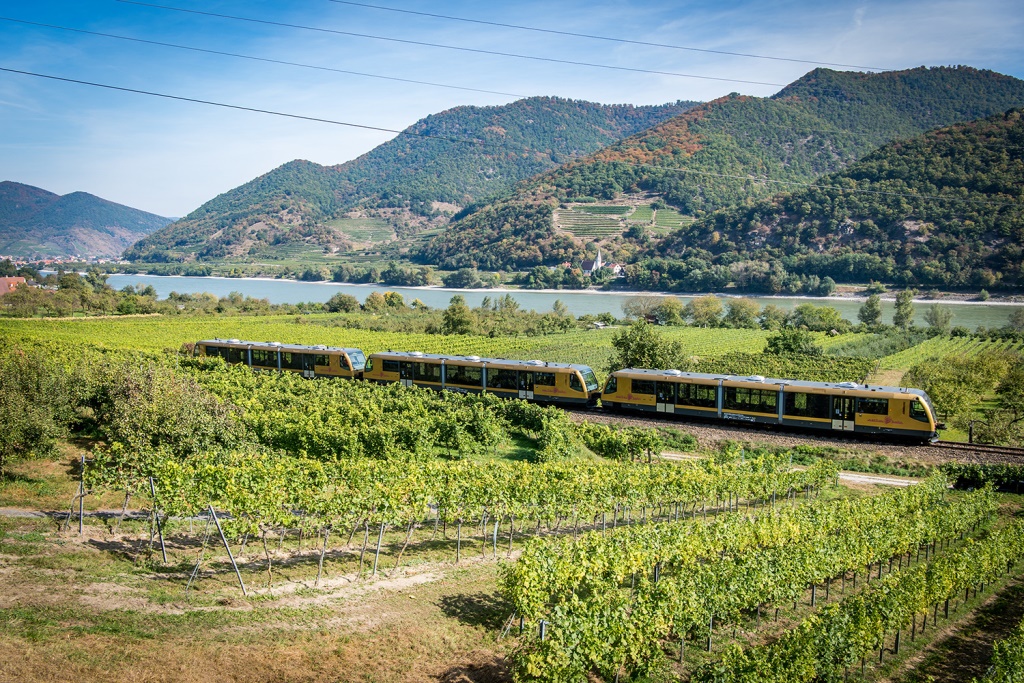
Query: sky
x,y
169,157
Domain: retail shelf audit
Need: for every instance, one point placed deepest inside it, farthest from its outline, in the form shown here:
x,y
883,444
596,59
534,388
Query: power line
x,y
606,38
239,107
258,59
482,143
549,60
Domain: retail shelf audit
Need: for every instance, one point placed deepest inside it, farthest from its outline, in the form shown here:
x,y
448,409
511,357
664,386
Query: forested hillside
x,y
35,223
715,155
943,209
449,159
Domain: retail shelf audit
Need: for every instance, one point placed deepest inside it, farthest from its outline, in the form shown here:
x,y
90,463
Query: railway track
x,y
1010,451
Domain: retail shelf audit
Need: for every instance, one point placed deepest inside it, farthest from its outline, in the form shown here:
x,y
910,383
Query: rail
x,y
979,448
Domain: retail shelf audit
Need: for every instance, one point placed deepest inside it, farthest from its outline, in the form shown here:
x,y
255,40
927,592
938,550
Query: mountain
x,y
715,155
944,209
35,223
439,165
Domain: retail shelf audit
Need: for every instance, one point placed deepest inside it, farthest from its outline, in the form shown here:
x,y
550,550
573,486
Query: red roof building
x,y
9,284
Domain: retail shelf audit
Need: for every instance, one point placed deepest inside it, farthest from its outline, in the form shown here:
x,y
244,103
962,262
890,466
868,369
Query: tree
x,y
669,311
871,312
938,318
704,311
818,318
790,340
640,306
742,313
394,300
1017,319
375,302
342,303
465,278
904,314
457,319
640,346
772,317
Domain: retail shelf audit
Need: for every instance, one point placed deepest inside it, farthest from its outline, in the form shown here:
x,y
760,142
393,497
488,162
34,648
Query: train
x,y
891,413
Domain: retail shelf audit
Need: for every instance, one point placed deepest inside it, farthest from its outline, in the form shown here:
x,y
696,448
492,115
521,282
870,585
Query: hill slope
x,y
407,181
712,156
35,223
942,209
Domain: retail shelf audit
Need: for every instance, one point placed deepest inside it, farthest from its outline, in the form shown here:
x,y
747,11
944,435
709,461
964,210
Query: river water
x,y
968,314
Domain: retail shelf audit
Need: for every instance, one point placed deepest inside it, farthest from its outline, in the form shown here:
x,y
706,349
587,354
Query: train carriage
x,y
310,361
843,407
532,380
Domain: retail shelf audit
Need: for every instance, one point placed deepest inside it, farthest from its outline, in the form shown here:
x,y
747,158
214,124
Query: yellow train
x,y
531,380
310,361
844,407
892,412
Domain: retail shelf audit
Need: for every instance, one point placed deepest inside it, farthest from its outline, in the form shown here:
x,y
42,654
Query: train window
x,y
291,360
460,374
264,358
390,366
358,360
612,385
666,392
427,372
344,362
700,395
502,379
917,411
873,406
321,359
753,400
574,381
590,379
806,405
643,386
236,355
544,379
369,365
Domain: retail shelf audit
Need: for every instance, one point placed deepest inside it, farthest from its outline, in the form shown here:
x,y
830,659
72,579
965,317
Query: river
x,y
968,314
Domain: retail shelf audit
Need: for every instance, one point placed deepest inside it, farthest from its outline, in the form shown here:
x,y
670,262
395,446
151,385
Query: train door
x,y
526,385
666,397
308,368
405,373
843,413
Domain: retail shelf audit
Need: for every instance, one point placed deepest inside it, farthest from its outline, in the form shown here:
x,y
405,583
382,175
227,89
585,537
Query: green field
x,y
671,219
937,347
364,229
588,224
154,334
642,214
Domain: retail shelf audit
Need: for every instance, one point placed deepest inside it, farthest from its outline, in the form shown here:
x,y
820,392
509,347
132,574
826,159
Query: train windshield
x,y
590,379
358,359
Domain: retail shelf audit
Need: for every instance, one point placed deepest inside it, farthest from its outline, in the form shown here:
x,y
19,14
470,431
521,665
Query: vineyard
x,y
609,602
938,347
587,222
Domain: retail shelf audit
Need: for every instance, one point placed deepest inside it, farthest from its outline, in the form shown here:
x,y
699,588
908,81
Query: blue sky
x,y
169,157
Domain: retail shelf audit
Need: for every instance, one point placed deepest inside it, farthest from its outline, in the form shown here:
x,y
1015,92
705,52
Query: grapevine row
x,y
826,644
607,628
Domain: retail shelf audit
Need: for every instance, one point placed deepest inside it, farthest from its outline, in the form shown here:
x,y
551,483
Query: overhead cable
x,y
606,38
259,59
536,58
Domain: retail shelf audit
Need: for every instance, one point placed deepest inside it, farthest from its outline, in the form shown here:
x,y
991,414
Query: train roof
x,y
418,355
278,346
758,379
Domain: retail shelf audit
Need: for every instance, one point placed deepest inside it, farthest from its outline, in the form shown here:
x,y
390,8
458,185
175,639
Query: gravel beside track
x,y
709,436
